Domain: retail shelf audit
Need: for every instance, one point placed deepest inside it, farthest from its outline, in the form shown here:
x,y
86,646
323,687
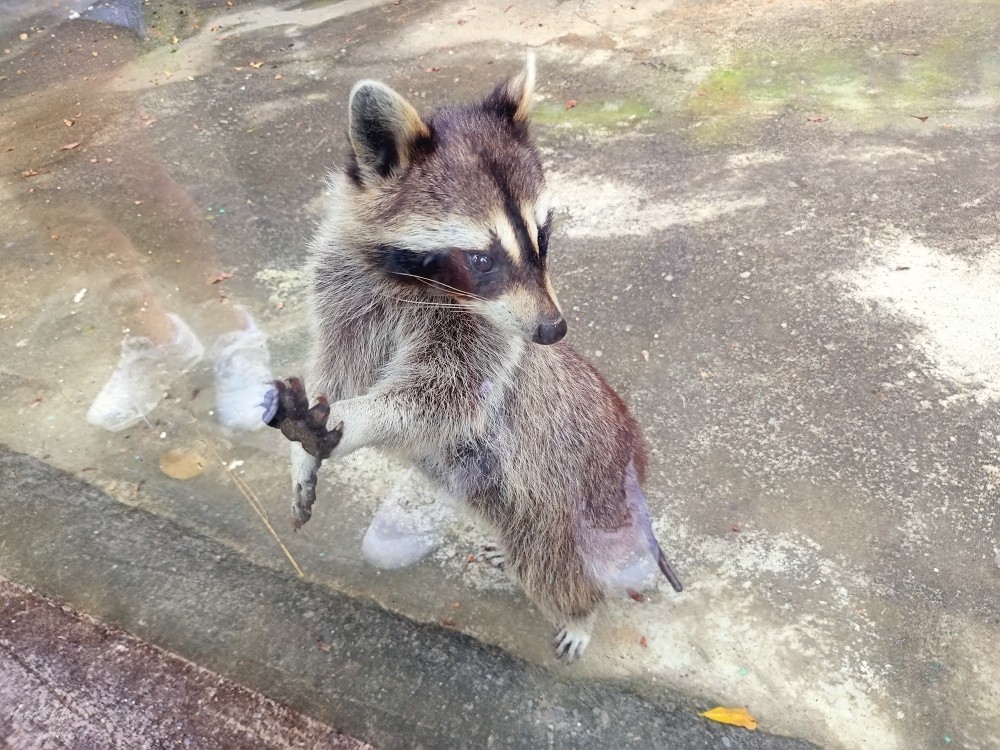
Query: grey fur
x,y
531,436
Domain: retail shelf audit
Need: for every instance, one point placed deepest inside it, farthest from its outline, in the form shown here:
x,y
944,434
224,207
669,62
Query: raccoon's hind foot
x,y
286,408
494,555
571,642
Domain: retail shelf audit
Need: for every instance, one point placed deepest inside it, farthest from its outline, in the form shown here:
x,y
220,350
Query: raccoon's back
x,y
573,494
575,429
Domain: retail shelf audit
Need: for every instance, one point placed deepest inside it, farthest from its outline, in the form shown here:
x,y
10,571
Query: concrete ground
x,y
344,662
778,237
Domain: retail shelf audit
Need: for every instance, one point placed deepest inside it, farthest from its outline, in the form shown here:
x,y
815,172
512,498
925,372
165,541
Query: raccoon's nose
x,y
550,333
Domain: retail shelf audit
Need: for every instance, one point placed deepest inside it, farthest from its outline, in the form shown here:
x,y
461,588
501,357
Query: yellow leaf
x,y
739,717
181,464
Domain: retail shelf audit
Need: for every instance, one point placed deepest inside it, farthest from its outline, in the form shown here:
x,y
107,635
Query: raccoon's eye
x,y
543,235
480,262
543,239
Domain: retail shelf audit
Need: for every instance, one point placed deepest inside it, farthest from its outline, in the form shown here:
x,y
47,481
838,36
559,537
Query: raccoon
x,y
437,338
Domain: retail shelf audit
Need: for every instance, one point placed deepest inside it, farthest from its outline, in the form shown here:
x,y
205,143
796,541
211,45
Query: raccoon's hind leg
x,y
573,638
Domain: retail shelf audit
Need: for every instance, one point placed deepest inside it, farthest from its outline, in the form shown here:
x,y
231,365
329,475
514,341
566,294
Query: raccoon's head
x,y
455,205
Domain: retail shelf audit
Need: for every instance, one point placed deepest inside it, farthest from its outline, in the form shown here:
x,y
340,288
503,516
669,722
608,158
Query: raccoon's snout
x,y
550,333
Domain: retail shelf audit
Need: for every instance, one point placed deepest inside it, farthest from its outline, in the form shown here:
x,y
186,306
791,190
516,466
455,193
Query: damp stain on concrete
x,y
588,115
844,89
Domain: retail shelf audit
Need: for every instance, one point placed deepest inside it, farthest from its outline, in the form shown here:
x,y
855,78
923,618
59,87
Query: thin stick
x,y
251,497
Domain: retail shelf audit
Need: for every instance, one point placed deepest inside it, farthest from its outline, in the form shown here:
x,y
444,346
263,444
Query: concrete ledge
x,y
364,671
68,681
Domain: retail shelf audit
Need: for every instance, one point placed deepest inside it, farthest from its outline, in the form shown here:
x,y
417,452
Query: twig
x,y
251,497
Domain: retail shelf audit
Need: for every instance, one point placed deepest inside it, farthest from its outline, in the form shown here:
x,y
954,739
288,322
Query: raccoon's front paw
x,y
570,644
286,408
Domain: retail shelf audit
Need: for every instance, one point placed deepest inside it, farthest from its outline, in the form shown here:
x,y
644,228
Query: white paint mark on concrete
x,y
953,300
752,634
754,159
595,207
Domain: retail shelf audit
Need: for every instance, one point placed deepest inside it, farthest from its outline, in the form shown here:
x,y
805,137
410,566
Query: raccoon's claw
x,y
494,555
570,644
285,402
286,408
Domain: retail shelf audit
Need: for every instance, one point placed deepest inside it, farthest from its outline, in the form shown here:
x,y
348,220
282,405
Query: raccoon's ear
x,y
512,98
384,129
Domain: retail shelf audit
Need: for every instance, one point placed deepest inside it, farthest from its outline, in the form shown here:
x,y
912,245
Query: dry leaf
x,y
570,103
255,65
738,717
70,146
68,122
221,277
29,173
181,464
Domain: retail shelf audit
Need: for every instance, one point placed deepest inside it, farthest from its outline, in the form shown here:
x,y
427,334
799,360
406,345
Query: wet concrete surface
x,y
777,236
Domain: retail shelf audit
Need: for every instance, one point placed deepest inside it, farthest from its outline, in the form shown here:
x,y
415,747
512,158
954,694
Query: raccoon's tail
x,y
667,571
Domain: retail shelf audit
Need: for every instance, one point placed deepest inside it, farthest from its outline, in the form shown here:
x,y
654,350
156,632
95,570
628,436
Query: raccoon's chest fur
x,y
455,363
357,331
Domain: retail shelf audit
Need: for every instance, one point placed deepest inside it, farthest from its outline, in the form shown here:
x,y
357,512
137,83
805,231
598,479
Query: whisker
x,y
445,305
440,285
